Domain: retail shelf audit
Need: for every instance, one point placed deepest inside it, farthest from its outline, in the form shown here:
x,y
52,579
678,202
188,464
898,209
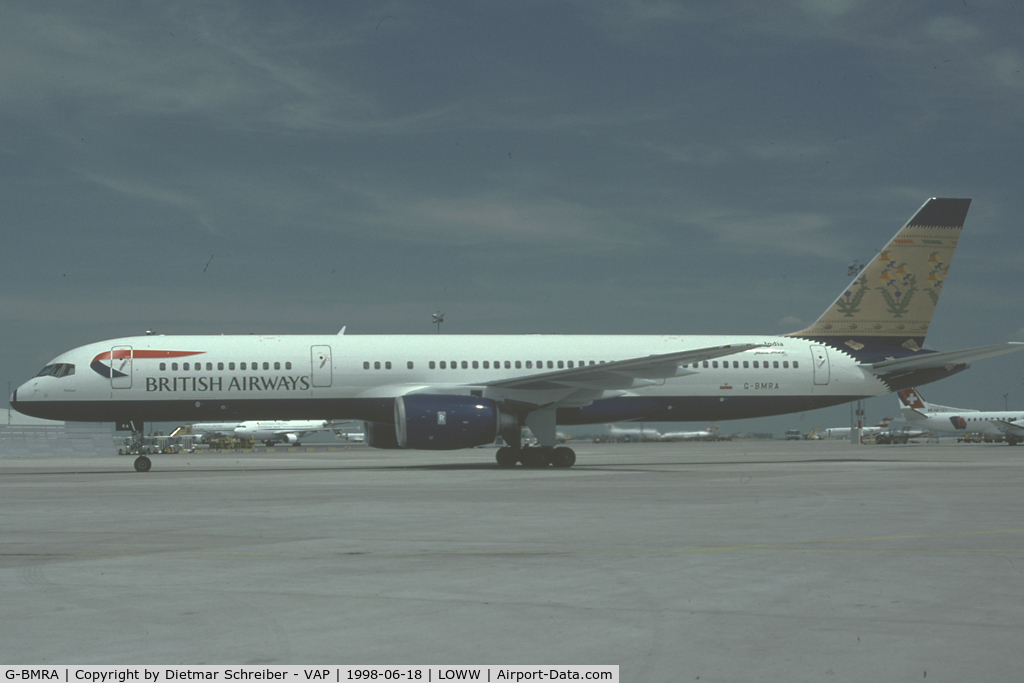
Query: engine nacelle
x,y
380,435
290,438
441,422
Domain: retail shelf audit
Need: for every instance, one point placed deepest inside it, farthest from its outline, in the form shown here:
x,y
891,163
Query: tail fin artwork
x,y
891,301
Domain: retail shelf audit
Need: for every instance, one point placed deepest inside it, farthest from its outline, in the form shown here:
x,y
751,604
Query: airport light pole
x,y
438,319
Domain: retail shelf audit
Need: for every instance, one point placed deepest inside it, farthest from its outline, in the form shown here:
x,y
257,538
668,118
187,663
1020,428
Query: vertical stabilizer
x,y
911,399
892,300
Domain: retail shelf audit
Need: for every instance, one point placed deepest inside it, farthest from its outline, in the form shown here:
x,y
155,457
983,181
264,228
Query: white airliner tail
x,y
911,400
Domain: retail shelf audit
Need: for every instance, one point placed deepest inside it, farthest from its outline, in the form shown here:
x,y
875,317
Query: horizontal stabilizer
x,y
942,359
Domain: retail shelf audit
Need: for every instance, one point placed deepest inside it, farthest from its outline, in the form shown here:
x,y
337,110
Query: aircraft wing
x,y
941,359
1007,427
620,374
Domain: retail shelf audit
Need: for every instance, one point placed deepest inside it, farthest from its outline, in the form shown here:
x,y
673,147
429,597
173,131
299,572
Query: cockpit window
x,y
57,370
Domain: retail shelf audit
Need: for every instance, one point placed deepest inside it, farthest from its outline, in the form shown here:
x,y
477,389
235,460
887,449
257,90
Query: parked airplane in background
x,y
708,433
1006,423
267,431
441,392
844,432
280,431
208,430
640,433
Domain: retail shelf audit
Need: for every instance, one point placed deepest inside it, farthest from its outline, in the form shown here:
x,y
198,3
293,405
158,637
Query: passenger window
x,y
409,365
561,365
551,364
508,365
444,366
529,365
519,364
266,365
387,365
184,366
241,366
785,364
756,365
277,365
476,365
366,365
775,363
796,364
220,366
465,365
376,365
705,364
431,365
455,365
570,364
714,363
746,364
288,365
487,365
174,367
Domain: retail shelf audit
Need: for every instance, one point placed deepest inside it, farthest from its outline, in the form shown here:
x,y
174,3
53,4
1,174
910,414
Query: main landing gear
x,y
535,456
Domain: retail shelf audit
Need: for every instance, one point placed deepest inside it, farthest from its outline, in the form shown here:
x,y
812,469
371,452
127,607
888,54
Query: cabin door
x,y
819,356
121,367
321,360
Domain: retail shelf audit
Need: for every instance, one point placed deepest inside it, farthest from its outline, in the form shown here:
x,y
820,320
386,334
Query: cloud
x,y
795,233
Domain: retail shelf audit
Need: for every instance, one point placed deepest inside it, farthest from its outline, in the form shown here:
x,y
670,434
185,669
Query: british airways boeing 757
x,y
446,392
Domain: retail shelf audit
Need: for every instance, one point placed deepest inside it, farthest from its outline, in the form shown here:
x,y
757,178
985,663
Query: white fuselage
x,y
164,378
992,422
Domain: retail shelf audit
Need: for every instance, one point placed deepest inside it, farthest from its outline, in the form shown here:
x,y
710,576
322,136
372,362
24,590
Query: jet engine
x,y
440,422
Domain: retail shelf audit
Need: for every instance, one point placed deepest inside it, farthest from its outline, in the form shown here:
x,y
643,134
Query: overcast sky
x,y
576,167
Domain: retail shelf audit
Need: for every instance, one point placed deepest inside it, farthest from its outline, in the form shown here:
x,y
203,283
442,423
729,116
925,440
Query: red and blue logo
x,y
105,362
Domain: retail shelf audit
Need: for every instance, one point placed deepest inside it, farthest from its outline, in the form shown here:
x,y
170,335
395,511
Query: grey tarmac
x,y
727,561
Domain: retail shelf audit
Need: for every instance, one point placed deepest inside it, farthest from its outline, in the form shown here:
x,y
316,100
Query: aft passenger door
x,y
121,367
819,356
321,361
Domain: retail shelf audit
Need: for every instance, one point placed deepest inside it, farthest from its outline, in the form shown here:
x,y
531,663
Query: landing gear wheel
x,y
143,464
506,457
563,457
